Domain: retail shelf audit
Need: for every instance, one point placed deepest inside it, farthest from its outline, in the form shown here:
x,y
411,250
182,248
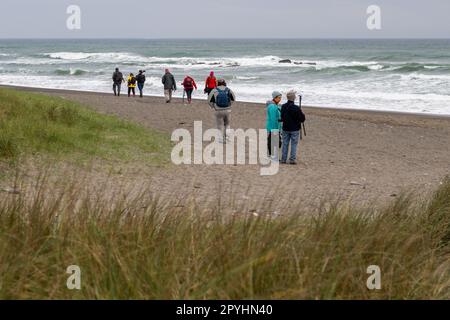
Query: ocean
x,y
392,75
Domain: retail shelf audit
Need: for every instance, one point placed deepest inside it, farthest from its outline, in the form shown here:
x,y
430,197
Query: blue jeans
x,y
141,88
292,137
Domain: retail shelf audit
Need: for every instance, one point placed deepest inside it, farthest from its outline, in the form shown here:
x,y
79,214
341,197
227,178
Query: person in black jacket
x,y
292,117
117,78
140,78
170,85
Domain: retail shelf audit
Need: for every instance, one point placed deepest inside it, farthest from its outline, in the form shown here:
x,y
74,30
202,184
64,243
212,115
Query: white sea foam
x,y
420,76
333,82
314,94
246,78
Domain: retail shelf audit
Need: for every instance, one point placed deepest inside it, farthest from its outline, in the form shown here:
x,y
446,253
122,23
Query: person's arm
x,y
283,113
299,115
195,85
174,83
232,97
163,80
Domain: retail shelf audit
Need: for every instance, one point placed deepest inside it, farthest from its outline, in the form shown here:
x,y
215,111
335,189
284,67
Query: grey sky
x,y
225,19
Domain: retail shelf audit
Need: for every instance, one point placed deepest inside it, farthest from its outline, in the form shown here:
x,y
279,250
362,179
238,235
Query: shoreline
x,y
317,110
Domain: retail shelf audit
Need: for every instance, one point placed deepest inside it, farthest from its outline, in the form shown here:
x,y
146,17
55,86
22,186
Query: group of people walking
x,y
168,81
132,82
283,123
188,84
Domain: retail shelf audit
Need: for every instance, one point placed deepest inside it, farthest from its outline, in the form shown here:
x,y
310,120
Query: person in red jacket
x,y
189,85
211,83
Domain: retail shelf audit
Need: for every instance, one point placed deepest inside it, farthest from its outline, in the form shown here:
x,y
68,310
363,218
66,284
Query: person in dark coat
x,y
170,85
292,118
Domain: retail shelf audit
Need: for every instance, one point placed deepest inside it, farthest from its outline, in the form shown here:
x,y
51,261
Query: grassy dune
x,y
33,124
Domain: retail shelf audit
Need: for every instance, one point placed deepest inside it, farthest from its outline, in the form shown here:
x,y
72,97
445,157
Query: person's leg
x,y
166,95
294,143
275,144
119,86
276,148
226,123
134,91
129,91
219,124
114,89
189,95
141,88
285,149
170,95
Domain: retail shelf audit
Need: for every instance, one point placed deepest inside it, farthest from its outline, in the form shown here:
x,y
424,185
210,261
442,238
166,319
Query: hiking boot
x,y
293,162
283,162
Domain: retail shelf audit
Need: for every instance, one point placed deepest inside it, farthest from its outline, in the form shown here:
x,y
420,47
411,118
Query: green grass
x,y
148,248
33,124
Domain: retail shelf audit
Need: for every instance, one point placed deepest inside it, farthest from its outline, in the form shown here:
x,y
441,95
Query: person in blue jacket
x,y
273,125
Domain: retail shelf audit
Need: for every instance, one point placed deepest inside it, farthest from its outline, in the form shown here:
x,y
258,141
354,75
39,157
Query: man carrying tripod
x,y
292,117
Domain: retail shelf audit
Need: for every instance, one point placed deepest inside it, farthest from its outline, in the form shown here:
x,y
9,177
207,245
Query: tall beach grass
x,y
137,246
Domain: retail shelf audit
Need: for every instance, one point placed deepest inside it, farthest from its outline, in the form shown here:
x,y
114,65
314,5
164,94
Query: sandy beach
x,y
364,156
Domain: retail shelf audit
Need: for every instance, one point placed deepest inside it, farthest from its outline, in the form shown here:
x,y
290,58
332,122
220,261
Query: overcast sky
x,y
225,19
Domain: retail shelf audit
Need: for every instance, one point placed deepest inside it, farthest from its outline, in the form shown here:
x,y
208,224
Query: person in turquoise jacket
x,y
273,124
